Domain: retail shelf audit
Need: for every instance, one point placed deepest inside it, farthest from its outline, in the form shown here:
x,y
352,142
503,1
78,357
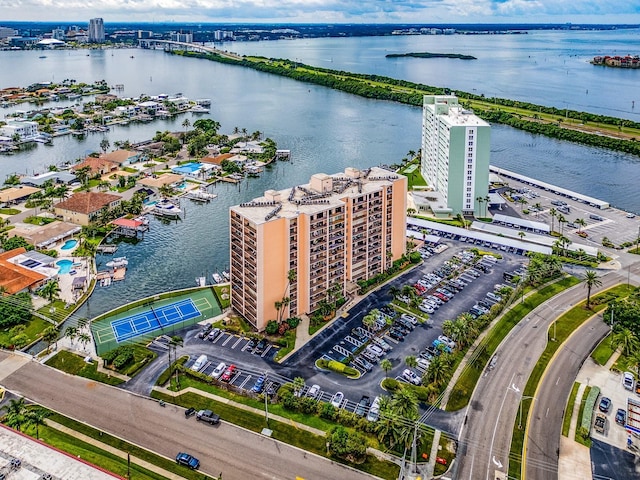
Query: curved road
x,y
543,433
485,437
235,452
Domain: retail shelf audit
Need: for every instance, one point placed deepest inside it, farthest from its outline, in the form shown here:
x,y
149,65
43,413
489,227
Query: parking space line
x,y
227,340
236,344
245,381
265,351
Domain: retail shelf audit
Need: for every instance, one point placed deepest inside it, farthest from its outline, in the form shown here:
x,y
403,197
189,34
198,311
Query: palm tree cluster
x,y
463,330
398,416
18,415
542,268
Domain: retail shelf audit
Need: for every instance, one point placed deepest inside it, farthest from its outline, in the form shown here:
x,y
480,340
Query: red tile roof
x,y
15,278
87,202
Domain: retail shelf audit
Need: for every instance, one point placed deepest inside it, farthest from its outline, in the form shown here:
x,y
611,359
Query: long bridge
x,y
170,45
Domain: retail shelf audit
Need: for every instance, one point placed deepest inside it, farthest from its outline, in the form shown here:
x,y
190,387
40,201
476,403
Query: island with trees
x,y
459,56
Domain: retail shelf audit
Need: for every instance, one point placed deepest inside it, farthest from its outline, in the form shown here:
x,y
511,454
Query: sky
x,y
326,11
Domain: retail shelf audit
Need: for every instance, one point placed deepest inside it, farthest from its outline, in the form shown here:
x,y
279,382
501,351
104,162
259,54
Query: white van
x,y
199,363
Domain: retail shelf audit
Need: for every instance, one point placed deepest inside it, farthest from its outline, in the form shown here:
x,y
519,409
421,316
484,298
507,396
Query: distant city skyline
x,y
325,11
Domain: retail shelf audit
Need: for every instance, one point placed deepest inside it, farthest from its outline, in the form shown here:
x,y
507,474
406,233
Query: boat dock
x,y
107,249
107,277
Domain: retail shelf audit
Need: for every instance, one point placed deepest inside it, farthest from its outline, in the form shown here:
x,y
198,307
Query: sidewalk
x,y
114,451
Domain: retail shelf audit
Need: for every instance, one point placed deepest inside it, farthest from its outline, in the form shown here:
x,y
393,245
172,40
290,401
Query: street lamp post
x,y
524,397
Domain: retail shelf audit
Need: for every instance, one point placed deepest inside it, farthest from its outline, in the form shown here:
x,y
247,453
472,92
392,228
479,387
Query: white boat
x,y
201,281
216,278
201,195
117,262
205,102
167,209
199,109
143,219
226,275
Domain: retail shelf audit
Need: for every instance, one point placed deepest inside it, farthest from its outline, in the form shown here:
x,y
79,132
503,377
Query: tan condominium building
x,y
309,242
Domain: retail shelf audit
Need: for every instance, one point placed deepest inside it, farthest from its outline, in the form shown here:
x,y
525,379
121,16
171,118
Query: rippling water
x,y
325,130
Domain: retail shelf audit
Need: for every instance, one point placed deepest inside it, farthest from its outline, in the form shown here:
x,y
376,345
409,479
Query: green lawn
x,y
75,365
34,328
579,438
568,411
462,390
33,220
222,294
603,351
9,211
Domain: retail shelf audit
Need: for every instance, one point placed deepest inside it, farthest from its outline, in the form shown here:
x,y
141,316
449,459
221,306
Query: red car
x,y
229,373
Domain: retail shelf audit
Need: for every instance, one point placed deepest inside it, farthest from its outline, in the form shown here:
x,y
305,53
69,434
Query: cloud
x,y
322,11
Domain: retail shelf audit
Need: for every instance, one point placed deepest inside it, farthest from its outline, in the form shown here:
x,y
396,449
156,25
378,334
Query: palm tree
x,y
84,339
298,385
522,203
411,361
71,333
15,413
581,222
175,342
50,335
394,291
591,280
626,339
480,201
521,235
104,145
553,212
486,205
386,366
35,417
369,321
561,221
185,124
405,403
437,371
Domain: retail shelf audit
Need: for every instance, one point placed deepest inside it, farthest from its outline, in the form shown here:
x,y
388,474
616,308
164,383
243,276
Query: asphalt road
x,y
545,428
235,452
485,438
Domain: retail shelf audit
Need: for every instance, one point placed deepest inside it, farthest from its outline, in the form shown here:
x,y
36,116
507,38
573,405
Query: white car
x,y
426,309
375,350
423,363
382,344
411,377
219,370
628,380
374,410
314,391
409,318
337,399
447,341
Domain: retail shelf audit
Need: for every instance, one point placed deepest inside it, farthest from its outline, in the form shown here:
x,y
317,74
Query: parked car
x,y
337,399
605,404
621,416
374,411
258,386
494,297
205,331
374,349
362,405
426,308
229,373
261,346
396,335
313,391
189,412
213,334
411,377
219,370
423,363
381,343
273,388
409,318
187,460
628,380
600,423
208,416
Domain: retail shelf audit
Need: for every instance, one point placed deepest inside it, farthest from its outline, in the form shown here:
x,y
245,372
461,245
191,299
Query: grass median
x,y
603,351
565,326
463,389
75,365
568,411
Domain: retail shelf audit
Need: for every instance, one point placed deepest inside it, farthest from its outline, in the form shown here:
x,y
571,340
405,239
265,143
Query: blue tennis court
x,y
153,319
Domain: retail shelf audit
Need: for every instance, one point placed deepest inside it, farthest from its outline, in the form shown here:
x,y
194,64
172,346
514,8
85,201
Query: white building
x,y
6,32
96,30
455,156
25,130
182,37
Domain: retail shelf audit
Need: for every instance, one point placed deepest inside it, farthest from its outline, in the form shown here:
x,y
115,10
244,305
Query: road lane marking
x,y
495,428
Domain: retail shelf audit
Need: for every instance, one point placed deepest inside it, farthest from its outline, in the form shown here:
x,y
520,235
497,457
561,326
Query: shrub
x,y
272,327
336,366
293,322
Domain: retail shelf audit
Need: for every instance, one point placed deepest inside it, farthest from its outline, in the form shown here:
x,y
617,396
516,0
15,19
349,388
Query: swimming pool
x,y
65,266
69,244
187,168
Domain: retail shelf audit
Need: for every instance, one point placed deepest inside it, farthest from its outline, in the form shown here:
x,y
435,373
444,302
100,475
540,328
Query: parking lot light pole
x,y
524,397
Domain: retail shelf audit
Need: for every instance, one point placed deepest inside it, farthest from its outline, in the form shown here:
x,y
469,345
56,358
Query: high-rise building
x,y
312,242
183,37
96,30
6,32
455,155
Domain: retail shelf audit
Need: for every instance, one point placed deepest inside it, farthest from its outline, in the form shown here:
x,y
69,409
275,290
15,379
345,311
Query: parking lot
x,y
616,225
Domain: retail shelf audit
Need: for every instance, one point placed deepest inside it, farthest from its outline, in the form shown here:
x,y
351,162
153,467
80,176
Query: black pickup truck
x,y
208,416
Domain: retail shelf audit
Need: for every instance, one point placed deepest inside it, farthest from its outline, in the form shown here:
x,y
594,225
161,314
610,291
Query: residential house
x,y
25,130
97,166
122,157
22,271
84,207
